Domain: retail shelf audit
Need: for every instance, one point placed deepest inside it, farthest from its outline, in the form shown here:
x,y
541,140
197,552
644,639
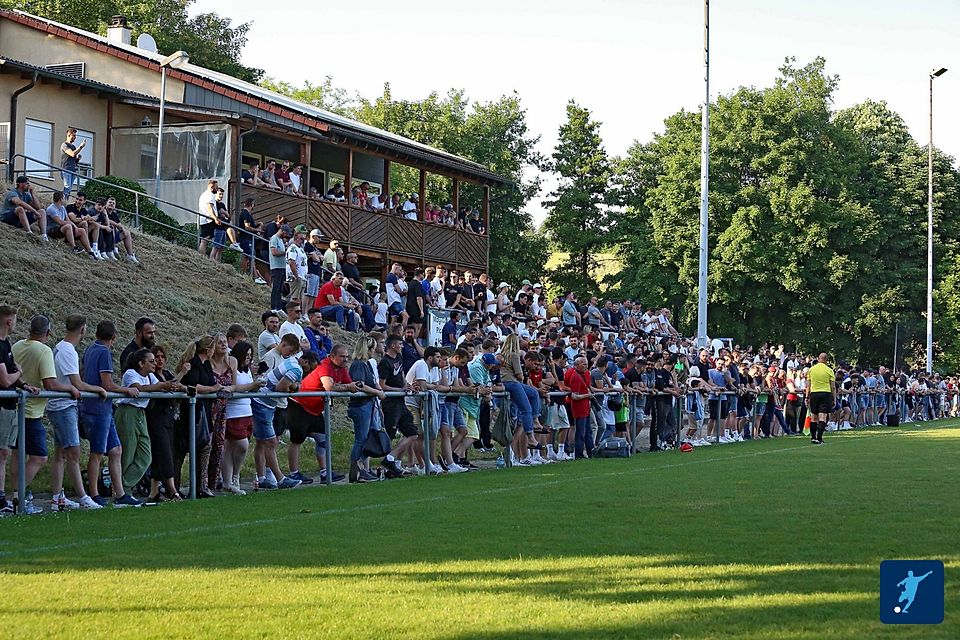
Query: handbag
x,y
378,444
502,430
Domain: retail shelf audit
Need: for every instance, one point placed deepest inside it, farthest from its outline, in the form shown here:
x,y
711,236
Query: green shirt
x,y
35,359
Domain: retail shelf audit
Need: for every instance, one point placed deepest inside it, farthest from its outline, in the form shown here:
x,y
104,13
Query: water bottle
x,y
500,463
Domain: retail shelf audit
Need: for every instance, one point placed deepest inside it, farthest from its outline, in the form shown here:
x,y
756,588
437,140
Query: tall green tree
x,y
578,220
209,38
817,218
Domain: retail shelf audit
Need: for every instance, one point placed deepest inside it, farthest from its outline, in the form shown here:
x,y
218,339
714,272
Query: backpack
x,y
501,431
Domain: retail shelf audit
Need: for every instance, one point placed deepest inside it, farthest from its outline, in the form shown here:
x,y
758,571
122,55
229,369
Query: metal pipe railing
x,y
635,415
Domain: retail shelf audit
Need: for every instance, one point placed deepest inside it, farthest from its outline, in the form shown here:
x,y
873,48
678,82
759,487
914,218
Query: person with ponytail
x,y
361,410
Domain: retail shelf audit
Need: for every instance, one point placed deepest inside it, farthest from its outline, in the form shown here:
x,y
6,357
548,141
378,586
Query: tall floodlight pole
x,y
934,74
704,184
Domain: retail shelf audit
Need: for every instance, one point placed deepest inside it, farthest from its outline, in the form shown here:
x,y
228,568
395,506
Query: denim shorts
x,y
451,415
219,235
313,285
66,434
101,432
262,421
731,402
36,438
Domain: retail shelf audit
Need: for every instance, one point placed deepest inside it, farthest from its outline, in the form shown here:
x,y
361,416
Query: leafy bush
x,y
127,202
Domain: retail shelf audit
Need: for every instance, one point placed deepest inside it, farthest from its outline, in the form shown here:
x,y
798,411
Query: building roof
x,y
26,69
256,96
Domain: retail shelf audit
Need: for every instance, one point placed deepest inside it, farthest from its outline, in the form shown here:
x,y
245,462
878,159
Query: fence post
x,y
193,447
328,447
425,423
136,210
632,422
21,450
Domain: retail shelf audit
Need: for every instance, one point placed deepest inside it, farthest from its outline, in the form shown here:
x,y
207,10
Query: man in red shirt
x,y
332,306
579,399
305,415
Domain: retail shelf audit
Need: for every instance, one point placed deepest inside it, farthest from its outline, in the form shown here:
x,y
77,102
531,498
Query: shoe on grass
x,y
289,483
126,500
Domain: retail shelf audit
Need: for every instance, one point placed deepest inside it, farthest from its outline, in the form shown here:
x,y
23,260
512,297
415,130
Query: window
x,y
86,156
38,144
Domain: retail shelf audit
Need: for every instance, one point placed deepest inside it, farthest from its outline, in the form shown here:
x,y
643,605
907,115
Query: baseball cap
x,y
502,285
554,319
686,447
537,285
300,228
286,229
489,359
695,371
315,232
525,282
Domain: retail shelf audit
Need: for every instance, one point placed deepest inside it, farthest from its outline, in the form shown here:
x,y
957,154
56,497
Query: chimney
x,y
118,31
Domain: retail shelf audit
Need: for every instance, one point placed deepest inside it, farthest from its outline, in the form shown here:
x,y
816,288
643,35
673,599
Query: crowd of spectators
x,y
93,229
570,376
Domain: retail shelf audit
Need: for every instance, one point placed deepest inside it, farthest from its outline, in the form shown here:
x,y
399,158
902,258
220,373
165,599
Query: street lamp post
x,y
704,186
175,60
933,74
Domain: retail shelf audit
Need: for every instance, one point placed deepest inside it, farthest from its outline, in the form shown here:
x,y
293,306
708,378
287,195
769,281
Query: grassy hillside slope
x,y
186,294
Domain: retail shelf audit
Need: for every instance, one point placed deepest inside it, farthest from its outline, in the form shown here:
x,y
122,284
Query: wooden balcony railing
x,y
398,238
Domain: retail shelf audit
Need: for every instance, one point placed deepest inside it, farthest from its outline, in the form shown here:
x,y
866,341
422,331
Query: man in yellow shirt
x,y
35,360
822,397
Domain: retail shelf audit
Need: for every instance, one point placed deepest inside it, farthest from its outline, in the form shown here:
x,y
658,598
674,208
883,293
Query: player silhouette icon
x,y
909,585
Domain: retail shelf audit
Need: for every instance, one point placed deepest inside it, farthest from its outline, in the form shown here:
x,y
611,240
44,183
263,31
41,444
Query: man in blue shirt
x,y
97,415
448,335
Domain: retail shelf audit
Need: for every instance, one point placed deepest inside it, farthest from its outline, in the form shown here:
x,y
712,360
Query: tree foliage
x,y
578,220
209,38
817,219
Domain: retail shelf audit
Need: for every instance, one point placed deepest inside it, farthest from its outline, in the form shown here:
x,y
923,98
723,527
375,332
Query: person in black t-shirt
x,y
396,416
416,300
248,241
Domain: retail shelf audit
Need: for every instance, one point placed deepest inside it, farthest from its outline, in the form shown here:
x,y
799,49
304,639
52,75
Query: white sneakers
x,y
63,503
234,489
455,468
86,502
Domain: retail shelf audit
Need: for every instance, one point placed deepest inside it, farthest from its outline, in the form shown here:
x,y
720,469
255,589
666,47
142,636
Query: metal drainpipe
x,y
13,122
238,169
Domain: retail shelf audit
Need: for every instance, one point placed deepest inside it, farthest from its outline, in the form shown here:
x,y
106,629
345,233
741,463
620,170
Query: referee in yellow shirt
x,y
822,397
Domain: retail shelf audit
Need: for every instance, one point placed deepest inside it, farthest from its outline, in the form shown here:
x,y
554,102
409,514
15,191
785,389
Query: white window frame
x,y
86,156
33,169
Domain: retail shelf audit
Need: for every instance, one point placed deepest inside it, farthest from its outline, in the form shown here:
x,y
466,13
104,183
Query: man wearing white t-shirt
x,y
410,207
396,287
62,414
437,299
292,325
297,266
207,214
424,375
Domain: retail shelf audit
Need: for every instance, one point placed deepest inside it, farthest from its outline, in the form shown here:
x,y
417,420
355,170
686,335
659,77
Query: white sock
x,y
93,247
550,448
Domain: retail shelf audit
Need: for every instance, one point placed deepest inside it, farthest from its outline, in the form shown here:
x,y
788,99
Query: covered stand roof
x,y
338,129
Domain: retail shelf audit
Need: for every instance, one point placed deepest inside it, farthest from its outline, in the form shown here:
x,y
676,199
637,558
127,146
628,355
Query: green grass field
x,y
769,539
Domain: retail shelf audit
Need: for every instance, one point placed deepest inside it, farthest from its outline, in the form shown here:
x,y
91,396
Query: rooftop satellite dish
x,y
146,42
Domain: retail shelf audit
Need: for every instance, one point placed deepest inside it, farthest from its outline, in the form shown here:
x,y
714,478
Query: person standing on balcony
x,y
363,198
278,265
207,216
70,161
268,176
296,180
411,206
282,176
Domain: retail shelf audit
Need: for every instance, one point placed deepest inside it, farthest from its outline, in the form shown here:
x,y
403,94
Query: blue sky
x,y
633,63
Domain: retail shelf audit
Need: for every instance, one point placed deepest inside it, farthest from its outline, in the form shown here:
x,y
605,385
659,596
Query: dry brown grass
x,y
186,294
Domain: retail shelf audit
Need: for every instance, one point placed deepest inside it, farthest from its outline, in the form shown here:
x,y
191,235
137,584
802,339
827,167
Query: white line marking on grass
x,y
380,505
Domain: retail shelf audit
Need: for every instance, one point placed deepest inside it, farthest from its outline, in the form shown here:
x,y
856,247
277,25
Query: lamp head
x,y
938,72
175,60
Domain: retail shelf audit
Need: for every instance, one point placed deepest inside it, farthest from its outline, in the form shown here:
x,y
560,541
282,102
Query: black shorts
x,y
302,423
54,231
718,408
206,230
821,402
396,418
279,421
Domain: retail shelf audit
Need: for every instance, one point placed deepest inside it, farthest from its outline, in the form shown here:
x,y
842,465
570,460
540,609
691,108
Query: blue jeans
x,y
527,401
69,179
333,312
580,443
367,314
362,417
277,278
